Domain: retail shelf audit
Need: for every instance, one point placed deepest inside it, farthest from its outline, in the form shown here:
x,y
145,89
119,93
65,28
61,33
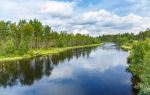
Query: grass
x,y
126,46
42,52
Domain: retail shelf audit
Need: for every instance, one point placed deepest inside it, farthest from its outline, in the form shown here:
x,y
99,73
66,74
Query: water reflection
x,y
26,72
88,71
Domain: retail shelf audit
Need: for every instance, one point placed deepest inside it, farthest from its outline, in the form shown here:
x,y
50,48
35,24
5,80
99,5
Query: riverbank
x,y
139,66
126,46
42,52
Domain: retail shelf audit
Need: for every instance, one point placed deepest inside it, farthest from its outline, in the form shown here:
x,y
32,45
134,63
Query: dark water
x,y
88,71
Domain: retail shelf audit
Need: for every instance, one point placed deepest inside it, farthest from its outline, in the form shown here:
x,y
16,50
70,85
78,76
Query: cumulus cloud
x,y
105,22
76,31
67,16
54,8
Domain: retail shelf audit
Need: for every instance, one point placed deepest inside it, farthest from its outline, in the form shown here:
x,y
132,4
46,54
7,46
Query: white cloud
x,y
67,16
58,8
80,31
106,22
35,8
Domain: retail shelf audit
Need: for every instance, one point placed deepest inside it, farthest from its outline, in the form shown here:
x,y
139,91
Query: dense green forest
x,y
19,38
139,59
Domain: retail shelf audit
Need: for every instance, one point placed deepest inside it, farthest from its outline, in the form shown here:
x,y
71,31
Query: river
x,y
98,70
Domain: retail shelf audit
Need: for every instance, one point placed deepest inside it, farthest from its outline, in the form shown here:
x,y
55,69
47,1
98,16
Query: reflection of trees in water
x,y
111,48
26,72
135,81
67,55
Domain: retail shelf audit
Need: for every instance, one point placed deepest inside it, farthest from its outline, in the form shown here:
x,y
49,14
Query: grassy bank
x,y
42,52
126,46
140,65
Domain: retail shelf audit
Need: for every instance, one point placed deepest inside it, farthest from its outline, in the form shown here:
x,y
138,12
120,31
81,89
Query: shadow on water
x,y
85,71
135,80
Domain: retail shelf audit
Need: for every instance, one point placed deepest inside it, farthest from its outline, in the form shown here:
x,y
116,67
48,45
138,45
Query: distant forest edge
x,y
126,37
20,38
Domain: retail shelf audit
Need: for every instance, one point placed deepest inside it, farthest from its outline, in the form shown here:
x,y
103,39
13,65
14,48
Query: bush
x,y
10,48
22,49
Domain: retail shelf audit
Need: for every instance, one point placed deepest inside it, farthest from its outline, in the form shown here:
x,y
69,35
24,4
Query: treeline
x,y
19,38
126,37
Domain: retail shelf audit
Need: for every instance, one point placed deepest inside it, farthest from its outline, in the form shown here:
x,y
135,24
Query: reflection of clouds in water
x,y
100,61
43,87
62,71
126,81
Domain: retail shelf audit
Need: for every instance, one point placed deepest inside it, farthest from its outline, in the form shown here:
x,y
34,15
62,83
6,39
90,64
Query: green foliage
x,y
126,37
138,53
22,49
140,65
9,48
26,36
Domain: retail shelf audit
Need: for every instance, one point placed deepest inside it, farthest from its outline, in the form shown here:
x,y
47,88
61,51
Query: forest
x,y
126,37
139,59
20,38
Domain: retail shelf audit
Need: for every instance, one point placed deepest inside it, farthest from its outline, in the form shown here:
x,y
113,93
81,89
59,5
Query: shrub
x,y
22,49
10,48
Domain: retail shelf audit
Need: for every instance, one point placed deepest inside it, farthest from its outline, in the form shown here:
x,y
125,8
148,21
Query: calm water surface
x,y
89,71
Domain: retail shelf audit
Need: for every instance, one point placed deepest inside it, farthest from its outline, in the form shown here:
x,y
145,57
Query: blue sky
x,y
121,7
94,17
